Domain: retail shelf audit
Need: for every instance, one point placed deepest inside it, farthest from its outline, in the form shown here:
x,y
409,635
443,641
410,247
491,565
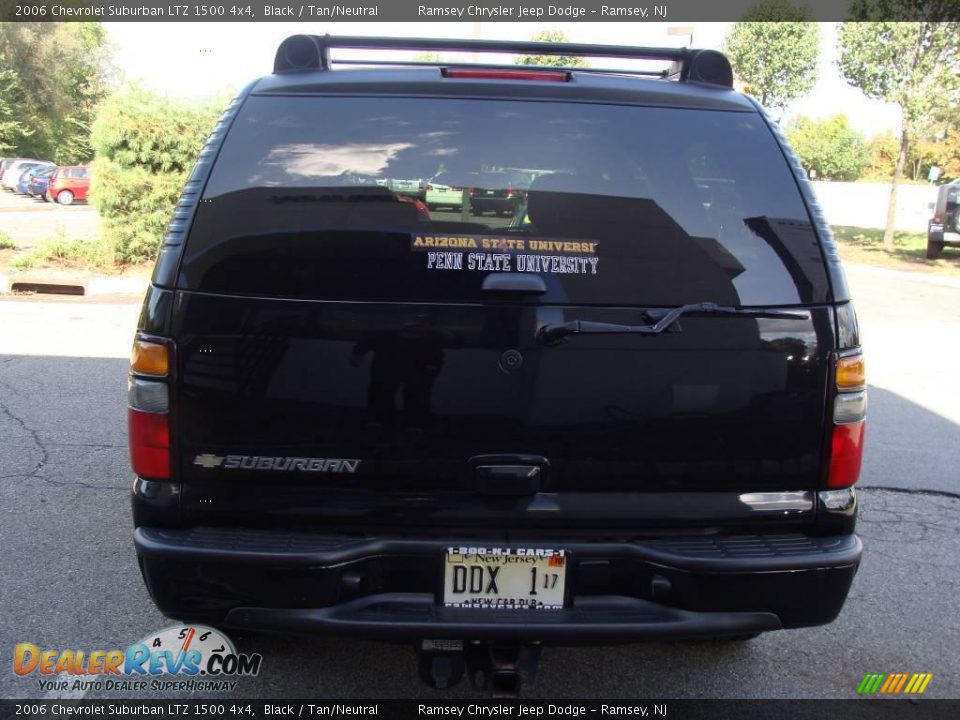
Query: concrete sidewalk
x,y
926,278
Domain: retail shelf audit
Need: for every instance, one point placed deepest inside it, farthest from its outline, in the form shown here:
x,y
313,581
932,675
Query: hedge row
x,y
145,146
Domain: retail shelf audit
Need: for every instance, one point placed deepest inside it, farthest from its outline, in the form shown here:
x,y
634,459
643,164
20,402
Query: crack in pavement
x,y
912,491
913,524
96,446
872,549
34,435
66,483
35,474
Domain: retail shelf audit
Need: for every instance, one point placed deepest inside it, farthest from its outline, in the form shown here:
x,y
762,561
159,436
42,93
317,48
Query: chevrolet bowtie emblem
x,y
208,461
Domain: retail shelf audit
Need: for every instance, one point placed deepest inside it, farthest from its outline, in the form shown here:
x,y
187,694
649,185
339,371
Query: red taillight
x,y
541,75
937,218
849,419
148,407
846,454
149,443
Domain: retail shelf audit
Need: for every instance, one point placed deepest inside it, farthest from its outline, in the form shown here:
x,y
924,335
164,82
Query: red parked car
x,y
69,183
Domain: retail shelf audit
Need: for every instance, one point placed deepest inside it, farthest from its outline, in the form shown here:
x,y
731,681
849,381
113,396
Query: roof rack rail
x,y
493,66
312,52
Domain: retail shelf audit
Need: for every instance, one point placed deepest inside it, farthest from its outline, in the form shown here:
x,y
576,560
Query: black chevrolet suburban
x,y
632,409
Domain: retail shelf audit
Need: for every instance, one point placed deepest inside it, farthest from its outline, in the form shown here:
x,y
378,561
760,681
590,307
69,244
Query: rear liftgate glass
x,y
361,335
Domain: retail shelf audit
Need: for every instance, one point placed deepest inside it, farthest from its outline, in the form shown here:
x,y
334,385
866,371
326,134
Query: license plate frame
x,y
514,571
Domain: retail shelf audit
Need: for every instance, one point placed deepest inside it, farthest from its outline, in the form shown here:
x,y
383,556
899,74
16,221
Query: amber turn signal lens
x,y
149,358
851,372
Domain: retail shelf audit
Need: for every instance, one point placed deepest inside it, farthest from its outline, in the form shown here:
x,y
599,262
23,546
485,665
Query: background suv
x,y
502,193
445,190
944,227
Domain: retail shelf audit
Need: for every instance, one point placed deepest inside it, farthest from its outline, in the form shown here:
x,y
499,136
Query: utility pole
x,y
476,36
682,31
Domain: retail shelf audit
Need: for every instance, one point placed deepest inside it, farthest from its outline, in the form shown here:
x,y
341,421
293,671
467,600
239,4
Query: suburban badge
x,y
279,464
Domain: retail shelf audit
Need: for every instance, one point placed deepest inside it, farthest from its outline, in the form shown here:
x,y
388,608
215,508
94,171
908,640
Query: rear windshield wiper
x,y
552,333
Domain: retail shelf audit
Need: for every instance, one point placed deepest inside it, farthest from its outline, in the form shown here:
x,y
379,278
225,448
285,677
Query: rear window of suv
x,y
619,205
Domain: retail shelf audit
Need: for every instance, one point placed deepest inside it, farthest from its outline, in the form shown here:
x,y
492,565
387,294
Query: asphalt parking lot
x,y
70,580
30,220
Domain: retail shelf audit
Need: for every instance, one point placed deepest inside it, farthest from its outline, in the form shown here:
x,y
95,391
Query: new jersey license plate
x,y
504,578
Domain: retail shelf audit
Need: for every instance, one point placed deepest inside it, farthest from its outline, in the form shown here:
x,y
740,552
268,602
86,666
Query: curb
x,y
90,286
138,286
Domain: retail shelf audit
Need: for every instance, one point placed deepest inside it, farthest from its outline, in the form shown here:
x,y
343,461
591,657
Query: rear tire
x,y
65,197
934,249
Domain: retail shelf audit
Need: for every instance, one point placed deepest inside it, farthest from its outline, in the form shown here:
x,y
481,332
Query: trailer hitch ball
x,y
502,669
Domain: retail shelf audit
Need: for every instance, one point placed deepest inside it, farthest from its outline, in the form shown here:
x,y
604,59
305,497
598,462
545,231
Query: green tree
x,y
829,146
882,149
949,158
145,147
924,154
553,36
52,76
774,50
943,144
11,129
911,64
939,149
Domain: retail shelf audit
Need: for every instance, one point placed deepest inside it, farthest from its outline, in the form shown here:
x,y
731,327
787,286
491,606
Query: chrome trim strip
x,y
800,501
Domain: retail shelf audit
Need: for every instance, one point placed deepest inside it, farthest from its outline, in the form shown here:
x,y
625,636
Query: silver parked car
x,y
12,172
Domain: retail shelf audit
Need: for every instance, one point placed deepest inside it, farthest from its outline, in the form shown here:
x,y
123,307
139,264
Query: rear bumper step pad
x,y
388,587
411,616
741,553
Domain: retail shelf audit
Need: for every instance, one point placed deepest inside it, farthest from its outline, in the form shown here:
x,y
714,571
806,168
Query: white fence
x,y
865,204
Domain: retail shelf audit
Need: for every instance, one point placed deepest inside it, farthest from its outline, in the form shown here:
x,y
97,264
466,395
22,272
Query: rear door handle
x,y
508,479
